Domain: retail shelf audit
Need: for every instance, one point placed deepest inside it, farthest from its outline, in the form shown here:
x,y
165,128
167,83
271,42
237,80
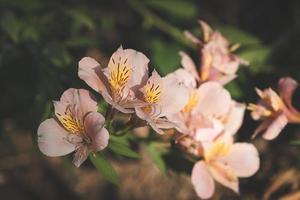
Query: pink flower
x,y
162,96
127,71
209,111
217,61
275,110
224,162
77,127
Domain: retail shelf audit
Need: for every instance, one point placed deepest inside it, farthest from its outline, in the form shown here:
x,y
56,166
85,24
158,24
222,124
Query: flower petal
x,y
53,140
93,124
243,159
235,118
214,100
224,175
275,127
287,87
81,155
80,101
189,65
172,88
90,71
202,180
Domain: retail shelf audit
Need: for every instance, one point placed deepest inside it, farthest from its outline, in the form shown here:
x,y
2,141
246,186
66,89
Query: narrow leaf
x,y
104,167
156,156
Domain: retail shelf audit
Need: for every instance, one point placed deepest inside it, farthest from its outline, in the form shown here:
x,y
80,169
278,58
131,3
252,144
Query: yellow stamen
x,y
217,149
119,75
152,92
193,100
70,123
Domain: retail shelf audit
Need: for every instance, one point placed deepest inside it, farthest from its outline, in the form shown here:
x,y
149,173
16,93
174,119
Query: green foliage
x,y
157,157
176,8
165,56
120,146
104,167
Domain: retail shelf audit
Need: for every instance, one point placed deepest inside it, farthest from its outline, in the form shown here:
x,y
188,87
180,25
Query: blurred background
x,y
41,43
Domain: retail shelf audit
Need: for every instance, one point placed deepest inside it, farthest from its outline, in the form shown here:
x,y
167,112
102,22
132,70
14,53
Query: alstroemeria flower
x,y
163,96
275,110
77,127
209,111
217,61
126,72
224,162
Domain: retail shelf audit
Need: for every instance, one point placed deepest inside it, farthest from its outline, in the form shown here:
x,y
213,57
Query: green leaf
x,y
176,8
122,148
156,157
257,56
165,56
104,167
81,19
236,35
12,26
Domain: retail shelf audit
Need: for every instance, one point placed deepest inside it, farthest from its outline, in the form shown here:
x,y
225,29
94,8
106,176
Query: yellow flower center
x,y
152,92
70,123
218,149
193,100
119,75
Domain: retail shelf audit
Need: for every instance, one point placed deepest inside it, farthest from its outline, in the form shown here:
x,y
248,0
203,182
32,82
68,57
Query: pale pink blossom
x,y
224,162
126,73
163,96
275,110
209,111
217,62
77,127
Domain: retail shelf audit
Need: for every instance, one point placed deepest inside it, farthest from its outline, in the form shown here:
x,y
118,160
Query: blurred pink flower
x,y
275,110
223,161
209,111
163,96
77,127
126,73
217,61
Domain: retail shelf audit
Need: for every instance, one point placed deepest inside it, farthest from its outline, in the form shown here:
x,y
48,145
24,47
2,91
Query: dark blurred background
x,y
41,43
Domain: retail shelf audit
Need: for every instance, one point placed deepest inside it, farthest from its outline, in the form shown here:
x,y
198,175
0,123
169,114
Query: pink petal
x,y
185,77
53,140
189,65
275,127
202,180
234,119
93,124
226,79
224,175
172,88
214,100
287,87
81,155
192,38
207,135
243,159
90,71
206,30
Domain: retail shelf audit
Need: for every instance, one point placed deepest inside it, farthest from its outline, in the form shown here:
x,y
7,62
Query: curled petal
x,y
189,65
81,155
90,71
99,136
202,180
207,31
243,159
287,87
275,127
53,140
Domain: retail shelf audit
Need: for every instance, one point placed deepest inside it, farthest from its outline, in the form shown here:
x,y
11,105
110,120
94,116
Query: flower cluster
x,y
191,100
